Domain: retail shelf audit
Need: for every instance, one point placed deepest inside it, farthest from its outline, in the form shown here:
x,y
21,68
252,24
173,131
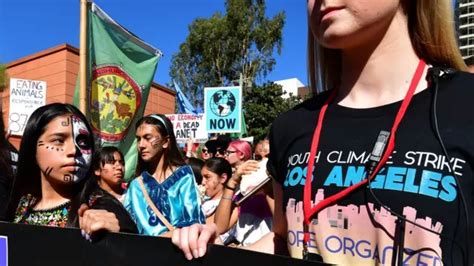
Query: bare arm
x,y
189,148
193,240
226,210
268,190
226,213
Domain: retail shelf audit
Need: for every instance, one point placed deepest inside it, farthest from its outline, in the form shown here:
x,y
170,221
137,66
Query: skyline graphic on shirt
x,y
348,230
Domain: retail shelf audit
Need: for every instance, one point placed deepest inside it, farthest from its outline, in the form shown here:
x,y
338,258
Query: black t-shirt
x,y
6,177
102,200
416,181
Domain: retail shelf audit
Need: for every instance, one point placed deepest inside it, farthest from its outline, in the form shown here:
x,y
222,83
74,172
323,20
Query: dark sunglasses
x,y
221,152
205,150
227,153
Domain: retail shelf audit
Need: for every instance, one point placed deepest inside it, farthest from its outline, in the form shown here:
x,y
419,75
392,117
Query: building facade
x,y
464,11
292,87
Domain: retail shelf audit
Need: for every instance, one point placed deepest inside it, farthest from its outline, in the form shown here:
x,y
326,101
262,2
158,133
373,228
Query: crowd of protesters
x,y
62,180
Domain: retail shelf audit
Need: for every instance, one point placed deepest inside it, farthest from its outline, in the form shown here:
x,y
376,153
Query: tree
x,y
219,49
3,83
262,105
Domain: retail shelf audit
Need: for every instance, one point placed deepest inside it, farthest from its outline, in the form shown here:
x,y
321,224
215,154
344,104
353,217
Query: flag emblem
x,y
115,97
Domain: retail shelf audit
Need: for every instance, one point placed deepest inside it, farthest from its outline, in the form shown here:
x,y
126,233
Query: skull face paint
x,y
64,150
83,156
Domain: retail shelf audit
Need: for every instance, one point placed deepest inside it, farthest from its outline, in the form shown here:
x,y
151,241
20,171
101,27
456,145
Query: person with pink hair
x,y
238,152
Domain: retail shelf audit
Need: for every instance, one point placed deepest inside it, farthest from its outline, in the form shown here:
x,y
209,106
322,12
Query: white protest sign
x,y
189,126
25,97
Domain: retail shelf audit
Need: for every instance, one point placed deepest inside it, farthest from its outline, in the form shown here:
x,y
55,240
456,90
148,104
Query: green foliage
x,y
3,77
220,48
262,105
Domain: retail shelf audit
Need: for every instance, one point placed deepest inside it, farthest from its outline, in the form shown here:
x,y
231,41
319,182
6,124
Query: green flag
x,y
243,129
120,71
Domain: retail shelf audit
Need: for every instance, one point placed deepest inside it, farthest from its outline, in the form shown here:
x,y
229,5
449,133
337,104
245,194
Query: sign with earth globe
x,y
222,108
222,103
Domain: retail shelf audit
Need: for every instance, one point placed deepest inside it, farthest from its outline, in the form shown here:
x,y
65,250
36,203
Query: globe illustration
x,y
222,103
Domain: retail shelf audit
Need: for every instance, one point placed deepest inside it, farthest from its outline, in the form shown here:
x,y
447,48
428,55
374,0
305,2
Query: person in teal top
x,y
164,195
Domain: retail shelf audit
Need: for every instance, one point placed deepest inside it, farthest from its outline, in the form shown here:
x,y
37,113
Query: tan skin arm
x,y
227,214
233,218
193,240
268,190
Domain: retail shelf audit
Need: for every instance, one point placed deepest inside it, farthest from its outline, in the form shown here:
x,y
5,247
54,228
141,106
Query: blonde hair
x,y
432,35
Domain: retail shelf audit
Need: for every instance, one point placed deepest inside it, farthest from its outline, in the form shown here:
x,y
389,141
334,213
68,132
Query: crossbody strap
x,y
153,207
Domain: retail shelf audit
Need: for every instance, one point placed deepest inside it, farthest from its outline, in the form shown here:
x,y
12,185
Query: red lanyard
x,y
310,211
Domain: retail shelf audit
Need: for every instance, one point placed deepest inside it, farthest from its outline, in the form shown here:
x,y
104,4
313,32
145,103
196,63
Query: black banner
x,y
38,245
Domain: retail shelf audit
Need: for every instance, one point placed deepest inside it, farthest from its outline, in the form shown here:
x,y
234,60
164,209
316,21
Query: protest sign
x,y
223,109
25,97
188,126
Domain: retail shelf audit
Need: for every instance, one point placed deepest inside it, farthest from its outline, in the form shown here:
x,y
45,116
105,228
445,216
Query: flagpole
x,y
83,57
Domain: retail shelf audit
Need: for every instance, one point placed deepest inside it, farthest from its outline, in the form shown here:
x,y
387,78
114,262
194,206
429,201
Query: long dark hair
x,y
219,166
171,155
196,165
6,170
103,156
28,177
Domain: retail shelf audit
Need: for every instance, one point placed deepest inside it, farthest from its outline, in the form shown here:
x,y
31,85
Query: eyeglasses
x,y
220,152
227,153
204,150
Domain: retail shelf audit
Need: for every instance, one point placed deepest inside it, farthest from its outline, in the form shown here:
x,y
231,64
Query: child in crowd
x,y
215,173
106,190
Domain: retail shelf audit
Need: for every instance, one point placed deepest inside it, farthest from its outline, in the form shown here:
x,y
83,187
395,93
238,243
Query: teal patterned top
x,y
56,216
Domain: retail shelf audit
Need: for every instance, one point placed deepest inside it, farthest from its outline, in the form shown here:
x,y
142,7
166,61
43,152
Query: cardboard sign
x,y
25,97
223,109
189,126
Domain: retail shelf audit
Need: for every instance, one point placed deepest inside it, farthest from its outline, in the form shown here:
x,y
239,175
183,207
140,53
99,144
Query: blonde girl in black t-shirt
x,y
364,54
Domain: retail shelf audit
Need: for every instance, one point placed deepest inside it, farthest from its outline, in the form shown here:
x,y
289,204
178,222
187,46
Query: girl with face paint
x,y
54,164
215,173
54,161
163,176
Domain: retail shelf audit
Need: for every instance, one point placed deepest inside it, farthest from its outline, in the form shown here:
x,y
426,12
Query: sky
x,y
30,26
